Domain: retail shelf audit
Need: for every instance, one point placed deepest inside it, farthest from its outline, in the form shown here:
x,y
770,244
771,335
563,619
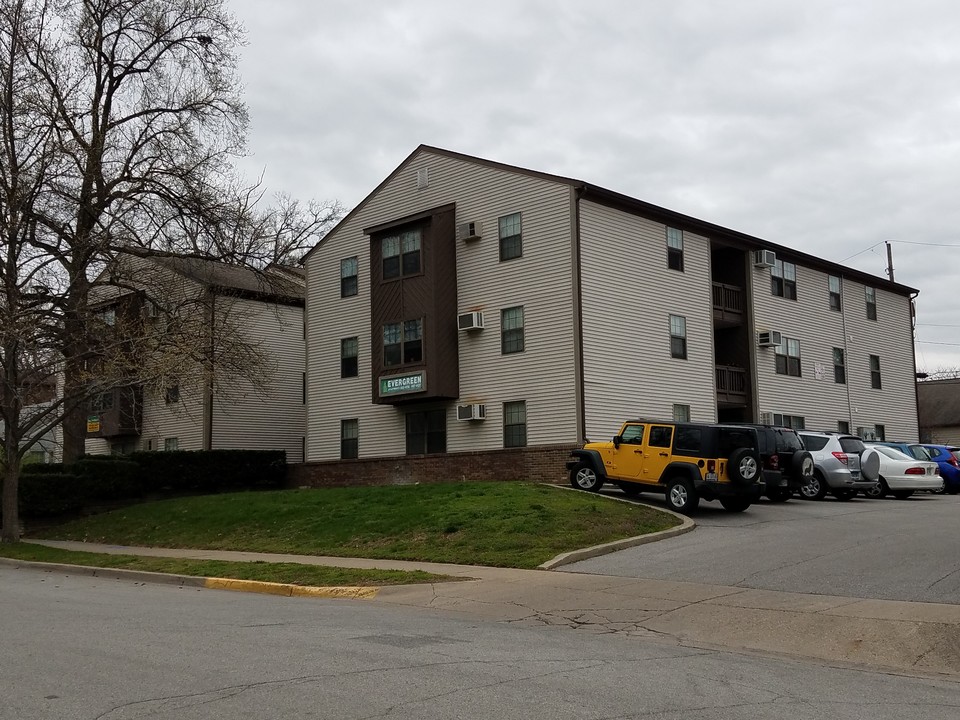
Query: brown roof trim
x,y
645,209
399,222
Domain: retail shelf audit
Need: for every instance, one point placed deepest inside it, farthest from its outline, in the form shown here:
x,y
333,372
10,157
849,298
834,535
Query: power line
x,y
928,342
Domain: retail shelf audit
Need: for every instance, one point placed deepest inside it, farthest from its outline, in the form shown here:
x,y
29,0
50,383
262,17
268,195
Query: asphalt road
x,y
883,549
82,648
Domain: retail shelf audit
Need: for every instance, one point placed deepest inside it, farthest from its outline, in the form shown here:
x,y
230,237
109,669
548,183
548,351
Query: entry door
x,y
656,453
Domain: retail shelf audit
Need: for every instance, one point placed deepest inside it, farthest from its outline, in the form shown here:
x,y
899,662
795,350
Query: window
x,y
515,424
348,277
675,249
880,431
108,316
401,254
171,444
688,440
833,284
788,357
511,330
403,343
797,422
783,280
871,296
660,436
349,439
173,394
839,367
678,337
681,413
843,426
632,434
875,372
511,239
426,432
349,350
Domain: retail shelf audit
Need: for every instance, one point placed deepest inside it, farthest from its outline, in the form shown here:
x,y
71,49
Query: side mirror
x,y
616,441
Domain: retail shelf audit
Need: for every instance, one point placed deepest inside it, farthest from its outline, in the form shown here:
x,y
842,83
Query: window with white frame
x,y
875,380
675,249
788,357
170,444
833,286
515,424
678,337
797,422
348,277
511,330
871,300
681,413
511,236
783,280
839,366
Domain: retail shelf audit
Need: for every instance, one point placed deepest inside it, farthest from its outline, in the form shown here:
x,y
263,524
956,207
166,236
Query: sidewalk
x,y
898,636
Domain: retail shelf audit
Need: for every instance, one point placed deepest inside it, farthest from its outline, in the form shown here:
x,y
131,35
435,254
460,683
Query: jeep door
x,y
656,453
627,460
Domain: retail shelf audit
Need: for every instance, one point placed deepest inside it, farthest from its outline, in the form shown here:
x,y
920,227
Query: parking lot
x,y
884,549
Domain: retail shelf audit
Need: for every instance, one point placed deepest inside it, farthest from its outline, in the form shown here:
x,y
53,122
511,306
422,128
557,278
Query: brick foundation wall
x,y
536,464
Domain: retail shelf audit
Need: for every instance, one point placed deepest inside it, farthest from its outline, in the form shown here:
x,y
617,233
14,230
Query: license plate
x,y
711,477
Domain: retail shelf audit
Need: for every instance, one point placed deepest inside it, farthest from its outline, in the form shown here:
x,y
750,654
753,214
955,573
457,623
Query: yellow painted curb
x,y
270,588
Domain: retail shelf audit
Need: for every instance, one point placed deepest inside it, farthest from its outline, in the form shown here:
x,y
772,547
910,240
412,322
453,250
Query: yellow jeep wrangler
x,y
685,461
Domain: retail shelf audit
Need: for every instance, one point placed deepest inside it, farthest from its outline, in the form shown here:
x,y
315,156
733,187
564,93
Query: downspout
x,y
846,360
913,347
578,193
208,379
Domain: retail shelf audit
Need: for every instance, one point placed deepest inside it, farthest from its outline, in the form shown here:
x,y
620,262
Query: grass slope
x,y
499,524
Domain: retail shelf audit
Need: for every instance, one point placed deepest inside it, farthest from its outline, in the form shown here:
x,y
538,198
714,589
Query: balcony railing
x,y
731,384
727,302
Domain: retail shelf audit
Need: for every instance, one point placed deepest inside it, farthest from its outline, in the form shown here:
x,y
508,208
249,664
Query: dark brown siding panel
x,y
430,296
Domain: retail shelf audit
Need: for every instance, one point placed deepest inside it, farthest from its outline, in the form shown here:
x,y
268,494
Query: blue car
x,y
914,450
946,457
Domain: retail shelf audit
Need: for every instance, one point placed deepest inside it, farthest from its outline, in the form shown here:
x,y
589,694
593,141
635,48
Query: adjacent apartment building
x,y
203,404
475,319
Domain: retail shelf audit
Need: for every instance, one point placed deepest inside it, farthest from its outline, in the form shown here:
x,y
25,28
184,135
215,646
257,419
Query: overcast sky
x,y
829,126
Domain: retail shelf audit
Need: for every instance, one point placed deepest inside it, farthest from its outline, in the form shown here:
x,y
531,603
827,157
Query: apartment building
x,y
475,319
203,404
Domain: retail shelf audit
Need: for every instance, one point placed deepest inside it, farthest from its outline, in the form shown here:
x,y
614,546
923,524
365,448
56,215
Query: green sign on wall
x,y
400,384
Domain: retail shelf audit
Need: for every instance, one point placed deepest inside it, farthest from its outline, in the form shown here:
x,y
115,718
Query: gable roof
x,y
638,207
273,282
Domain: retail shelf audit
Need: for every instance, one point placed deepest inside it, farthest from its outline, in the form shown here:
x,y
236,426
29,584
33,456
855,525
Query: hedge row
x,y
55,489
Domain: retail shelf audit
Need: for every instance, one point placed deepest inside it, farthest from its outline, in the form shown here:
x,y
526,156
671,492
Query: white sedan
x,y
902,475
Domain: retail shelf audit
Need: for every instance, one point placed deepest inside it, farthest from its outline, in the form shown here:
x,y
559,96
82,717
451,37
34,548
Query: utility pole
x,y
889,260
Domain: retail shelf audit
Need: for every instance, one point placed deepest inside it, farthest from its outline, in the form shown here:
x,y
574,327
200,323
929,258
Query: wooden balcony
x,y
116,413
731,385
727,305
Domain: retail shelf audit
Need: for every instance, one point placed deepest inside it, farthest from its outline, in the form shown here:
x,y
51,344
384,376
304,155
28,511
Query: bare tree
x,y
120,121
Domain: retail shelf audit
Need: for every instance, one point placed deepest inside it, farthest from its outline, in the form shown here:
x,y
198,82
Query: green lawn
x,y
500,524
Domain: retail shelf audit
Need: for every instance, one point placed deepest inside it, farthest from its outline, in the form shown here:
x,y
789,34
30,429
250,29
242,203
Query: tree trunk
x,y
11,482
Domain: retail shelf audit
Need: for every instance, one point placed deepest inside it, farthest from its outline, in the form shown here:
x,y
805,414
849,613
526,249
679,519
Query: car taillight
x,y
774,462
953,461
915,471
842,457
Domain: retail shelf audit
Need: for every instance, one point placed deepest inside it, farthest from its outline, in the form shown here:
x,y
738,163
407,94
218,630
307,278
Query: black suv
x,y
786,464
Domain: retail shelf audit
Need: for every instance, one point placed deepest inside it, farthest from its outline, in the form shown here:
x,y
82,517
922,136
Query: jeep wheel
x,y
584,477
681,496
814,487
629,489
744,466
735,504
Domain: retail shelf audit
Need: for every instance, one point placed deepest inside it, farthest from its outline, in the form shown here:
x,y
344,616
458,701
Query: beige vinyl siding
x,y
272,416
182,420
815,395
540,281
628,294
943,435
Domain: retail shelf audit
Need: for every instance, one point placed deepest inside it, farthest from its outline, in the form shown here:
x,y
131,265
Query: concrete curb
x,y
210,583
686,525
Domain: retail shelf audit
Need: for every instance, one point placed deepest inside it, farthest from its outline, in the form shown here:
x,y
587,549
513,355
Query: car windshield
x,y
851,445
814,442
893,453
920,452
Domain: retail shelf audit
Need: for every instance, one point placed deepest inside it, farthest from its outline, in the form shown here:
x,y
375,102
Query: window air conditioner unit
x,y
470,321
769,338
764,258
470,230
471,412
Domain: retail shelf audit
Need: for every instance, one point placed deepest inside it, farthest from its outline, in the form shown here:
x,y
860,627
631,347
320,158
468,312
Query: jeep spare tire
x,y
870,465
743,466
802,464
